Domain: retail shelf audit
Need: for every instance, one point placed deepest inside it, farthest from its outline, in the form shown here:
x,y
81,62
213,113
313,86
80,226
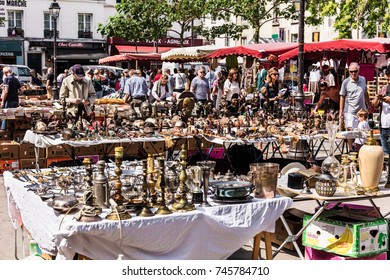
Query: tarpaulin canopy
x,y
379,45
130,56
189,53
254,50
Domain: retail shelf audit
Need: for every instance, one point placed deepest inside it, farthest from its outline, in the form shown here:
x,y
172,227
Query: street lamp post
x,y
55,12
299,96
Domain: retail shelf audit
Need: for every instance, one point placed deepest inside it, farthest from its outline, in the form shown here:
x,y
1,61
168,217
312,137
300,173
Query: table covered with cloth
x,y
206,233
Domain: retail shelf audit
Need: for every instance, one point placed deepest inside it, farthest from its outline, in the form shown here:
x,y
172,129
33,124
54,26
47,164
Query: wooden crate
x,y
29,163
27,150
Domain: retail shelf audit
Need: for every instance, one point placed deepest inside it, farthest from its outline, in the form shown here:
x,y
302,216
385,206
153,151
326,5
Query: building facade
x,y
26,35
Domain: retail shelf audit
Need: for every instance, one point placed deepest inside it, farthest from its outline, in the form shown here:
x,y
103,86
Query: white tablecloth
x,y
206,233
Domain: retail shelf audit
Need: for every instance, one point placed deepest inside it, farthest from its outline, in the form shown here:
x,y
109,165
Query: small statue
x,y
146,110
199,109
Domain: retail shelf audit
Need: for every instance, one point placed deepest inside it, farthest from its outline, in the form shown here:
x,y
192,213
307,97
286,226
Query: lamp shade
x,y
54,9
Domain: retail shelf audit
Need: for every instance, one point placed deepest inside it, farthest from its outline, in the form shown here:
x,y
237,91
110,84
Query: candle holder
x,y
145,212
182,205
162,209
152,182
119,211
206,167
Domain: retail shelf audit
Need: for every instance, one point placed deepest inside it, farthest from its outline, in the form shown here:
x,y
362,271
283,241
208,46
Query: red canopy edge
x,y
128,57
254,50
380,45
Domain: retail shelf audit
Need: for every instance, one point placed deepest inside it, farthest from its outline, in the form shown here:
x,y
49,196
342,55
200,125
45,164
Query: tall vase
x,y
331,164
371,159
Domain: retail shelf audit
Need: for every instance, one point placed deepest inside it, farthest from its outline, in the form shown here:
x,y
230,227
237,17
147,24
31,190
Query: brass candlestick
x,y
152,182
145,212
88,187
119,211
162,209
182,204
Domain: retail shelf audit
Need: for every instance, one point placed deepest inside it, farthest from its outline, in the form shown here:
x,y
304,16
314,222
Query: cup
x,y
295,180
264,178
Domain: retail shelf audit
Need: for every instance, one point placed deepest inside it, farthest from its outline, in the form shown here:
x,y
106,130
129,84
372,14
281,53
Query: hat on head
x,y
78,70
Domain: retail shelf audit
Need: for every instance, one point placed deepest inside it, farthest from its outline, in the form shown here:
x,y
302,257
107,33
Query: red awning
x,y
141,49
130,56
255,50
380,45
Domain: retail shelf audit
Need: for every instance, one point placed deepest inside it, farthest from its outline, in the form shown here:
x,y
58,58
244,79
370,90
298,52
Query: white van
x,y
22,72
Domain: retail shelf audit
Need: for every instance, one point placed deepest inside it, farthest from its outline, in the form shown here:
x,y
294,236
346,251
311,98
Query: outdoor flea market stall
x,y
181,179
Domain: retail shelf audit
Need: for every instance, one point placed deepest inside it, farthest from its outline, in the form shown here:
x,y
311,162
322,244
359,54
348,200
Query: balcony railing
x,y
15,32
48,34
85,34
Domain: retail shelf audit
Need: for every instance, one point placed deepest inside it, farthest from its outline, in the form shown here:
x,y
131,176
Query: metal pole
x,y
55,58
299,97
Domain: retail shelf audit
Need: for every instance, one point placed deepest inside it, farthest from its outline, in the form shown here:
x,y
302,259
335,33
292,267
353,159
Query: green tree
x,y
184,12
138,20
254,14
370,16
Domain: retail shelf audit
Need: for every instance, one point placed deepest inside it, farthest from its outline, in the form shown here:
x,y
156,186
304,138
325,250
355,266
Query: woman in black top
x,y
271,89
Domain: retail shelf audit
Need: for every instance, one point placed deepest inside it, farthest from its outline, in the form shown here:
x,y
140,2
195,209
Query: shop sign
x,y
14,3
7,53
70,45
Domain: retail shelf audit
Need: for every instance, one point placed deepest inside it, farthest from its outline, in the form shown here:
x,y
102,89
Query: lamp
x,y
55,12
299,96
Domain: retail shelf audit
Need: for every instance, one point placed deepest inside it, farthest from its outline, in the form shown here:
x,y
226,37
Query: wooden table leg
x,y
256,246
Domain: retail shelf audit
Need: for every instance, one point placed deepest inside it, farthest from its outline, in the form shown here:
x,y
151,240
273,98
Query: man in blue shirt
x,y
10,94
136,89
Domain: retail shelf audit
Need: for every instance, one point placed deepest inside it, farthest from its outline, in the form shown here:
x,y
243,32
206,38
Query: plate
x,y
63,210
232,200
292,167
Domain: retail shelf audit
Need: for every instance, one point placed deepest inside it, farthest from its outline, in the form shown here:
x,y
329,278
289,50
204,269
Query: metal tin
x,y
232,189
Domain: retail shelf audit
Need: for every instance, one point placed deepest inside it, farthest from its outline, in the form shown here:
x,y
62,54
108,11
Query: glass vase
x,y
331,164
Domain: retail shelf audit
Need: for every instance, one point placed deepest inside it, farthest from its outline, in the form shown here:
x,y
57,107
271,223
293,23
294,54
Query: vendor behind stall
x,y
78,92
34,79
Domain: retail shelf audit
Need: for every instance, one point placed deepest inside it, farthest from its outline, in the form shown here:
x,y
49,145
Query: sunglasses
x,y
353,71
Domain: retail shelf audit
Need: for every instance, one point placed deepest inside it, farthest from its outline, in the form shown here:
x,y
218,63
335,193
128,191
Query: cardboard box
x,y
216,153
345,236
85,151
179,143
23,124
313,254
5,136
294,219
58,151
9,150
29,163
154,147
18,136
9,165
193,145
50,161
27,150
131,149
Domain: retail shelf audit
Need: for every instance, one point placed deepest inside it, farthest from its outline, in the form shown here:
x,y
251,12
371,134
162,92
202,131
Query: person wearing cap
x,y
78,92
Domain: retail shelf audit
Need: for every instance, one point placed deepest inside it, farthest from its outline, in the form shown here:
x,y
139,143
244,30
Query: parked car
x,y
22,72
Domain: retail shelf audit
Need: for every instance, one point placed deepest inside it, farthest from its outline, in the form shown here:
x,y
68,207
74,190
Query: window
x,y
244,41
15,19
227,41
48,26
15,23
85,26
282,32
315,37
294,37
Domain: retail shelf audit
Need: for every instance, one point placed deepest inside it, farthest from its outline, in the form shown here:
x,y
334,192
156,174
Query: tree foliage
x,y
138,20
254,14
364,15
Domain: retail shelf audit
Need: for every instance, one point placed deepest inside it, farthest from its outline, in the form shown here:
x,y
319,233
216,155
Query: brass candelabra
x,y
182,204
145,212
119,212
162,209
